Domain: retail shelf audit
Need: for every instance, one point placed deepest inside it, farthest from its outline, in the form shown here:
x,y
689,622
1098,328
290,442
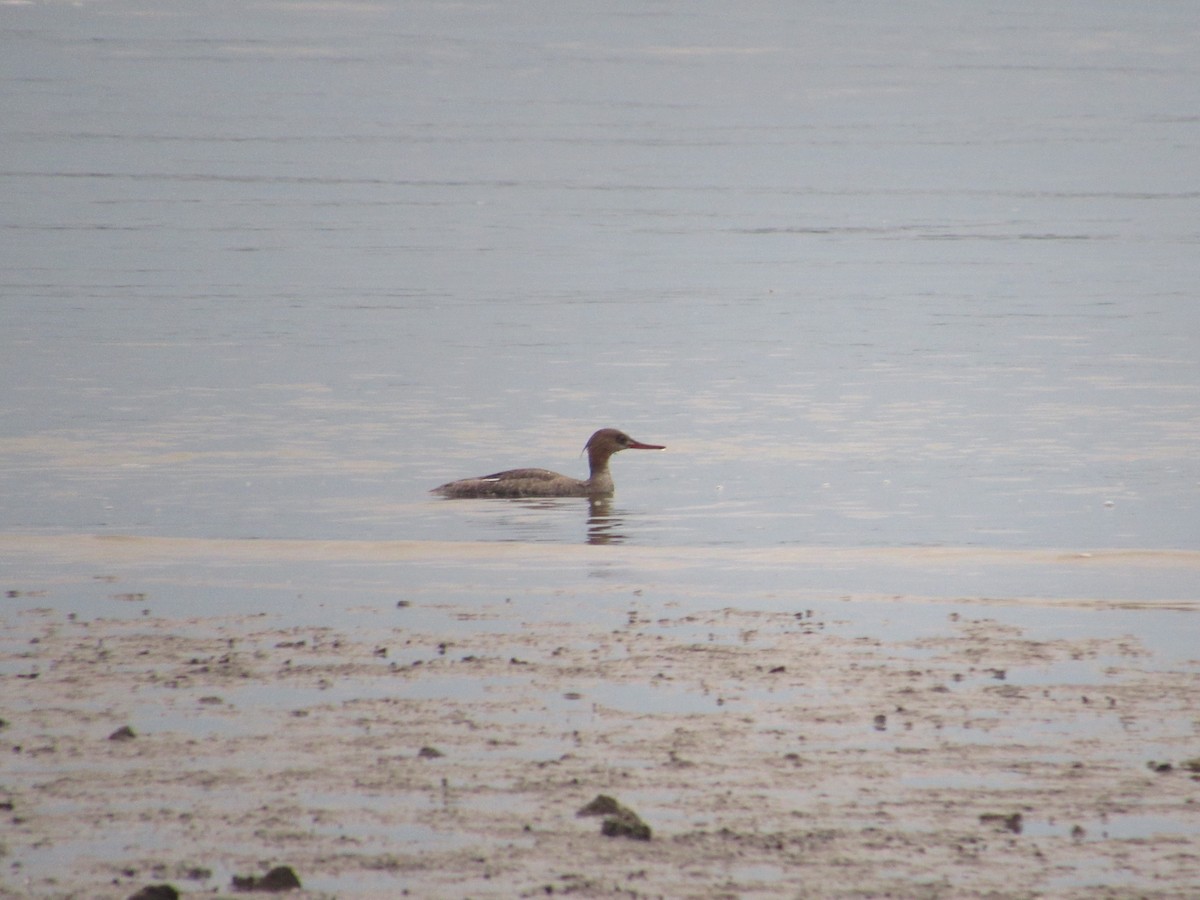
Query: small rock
x,y
280,878
124,733
603,805
619,821
429,753
625,824
156,892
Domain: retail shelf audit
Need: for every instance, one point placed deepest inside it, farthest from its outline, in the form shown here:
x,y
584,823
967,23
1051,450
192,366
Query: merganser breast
x,y
515,483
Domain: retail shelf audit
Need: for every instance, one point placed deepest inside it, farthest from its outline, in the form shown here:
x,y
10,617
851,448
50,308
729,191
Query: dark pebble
x,y
156,892
625,824
280,878
619,821
603,805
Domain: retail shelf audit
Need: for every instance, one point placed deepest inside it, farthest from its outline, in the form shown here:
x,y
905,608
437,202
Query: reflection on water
x,y
549,519
603,525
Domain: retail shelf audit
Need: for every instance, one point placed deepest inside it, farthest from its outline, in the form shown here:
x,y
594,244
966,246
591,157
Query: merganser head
x,y
607,441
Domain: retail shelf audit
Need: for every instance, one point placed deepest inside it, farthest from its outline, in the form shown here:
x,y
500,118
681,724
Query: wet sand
x,y
441,747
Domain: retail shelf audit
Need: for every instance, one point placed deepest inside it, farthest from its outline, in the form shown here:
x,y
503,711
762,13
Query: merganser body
x,y
544,483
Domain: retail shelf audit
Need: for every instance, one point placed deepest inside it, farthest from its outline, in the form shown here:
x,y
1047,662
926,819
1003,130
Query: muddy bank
x,y
767,754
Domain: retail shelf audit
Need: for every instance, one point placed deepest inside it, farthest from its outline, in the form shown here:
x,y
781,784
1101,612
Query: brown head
x,y
607,441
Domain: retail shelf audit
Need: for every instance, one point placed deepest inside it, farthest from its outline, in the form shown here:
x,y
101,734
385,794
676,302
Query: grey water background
x,y
878,274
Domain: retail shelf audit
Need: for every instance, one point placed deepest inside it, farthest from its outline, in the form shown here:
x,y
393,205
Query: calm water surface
x,y
889,276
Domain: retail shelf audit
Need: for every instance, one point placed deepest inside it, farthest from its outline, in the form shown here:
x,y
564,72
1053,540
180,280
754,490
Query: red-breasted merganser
x,y
544,483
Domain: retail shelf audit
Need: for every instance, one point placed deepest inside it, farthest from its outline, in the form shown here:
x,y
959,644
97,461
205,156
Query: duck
x,y
516,483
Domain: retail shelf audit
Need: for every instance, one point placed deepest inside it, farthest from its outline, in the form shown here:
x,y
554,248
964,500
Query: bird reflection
x,y
602,526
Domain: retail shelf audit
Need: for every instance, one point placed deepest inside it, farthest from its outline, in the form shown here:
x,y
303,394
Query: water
x,y
879,277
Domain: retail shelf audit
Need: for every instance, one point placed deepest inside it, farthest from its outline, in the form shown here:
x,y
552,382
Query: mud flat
x,y
442,746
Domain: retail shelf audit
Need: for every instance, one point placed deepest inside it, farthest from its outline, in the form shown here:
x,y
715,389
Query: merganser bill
x,y
544,483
